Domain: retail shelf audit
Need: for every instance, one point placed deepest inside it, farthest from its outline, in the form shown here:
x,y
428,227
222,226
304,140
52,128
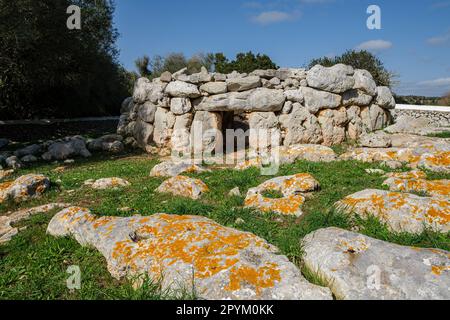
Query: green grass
x,y
444,134
33,265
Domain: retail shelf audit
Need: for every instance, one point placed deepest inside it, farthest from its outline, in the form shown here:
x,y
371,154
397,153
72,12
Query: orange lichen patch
x,y
353,246
184,186
439,159
207,246
416,174
5,185
260,278
101,222
438,270
439,212
289,205
374,199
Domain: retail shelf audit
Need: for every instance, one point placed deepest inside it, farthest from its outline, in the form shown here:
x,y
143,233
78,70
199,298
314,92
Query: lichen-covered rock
x,y
7,231
174,168
243,84
180,89
24,188
377,139
415,182
437,161
108,183
357,267
385,99
5,173
214,87
184,187
336,79
402,212
316,100
189,254
292,188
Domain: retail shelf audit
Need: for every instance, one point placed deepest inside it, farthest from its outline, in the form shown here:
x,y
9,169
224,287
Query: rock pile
x,y
62,149
319,106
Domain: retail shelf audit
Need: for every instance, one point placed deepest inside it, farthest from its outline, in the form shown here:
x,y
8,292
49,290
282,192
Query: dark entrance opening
x,y
230,121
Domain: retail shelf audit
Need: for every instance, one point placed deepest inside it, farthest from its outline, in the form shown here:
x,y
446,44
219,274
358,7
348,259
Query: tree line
x,y
47,70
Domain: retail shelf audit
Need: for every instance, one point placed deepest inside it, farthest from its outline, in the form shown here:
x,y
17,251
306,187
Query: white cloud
x,y
269,17
441,82
439,40
374,45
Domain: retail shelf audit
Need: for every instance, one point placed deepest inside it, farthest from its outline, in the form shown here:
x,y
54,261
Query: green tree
x,y
360,60
47,70
244,63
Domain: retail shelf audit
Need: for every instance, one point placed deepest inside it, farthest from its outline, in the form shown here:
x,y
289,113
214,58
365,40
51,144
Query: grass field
x,y
33,265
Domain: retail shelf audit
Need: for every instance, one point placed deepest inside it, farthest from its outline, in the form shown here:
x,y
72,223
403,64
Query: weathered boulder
x,y
180,89
385,99
374,118
206,131
164,122
415,182
263,99
180,141
143,133
436,161
336,79
142,90
109,143
357,267
377,139
146,112
333,124
364,82
166,76
5,173
33,150
107,183
232,101
264,131
316,100
243,84
180,106
24,188
356,97
294,95
302,127
174,168
355,124
402,212
68,148
7,231
184,187
291,187
13,162
406,124
214,87
127,105
28,159
188,253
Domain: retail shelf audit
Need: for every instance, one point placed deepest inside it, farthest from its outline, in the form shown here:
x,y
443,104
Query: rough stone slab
x,y
291,187
243,84
108,183
186,252
402,212
357,267
415,182
182,89
184,187
336,79
174,168
7,231
24,188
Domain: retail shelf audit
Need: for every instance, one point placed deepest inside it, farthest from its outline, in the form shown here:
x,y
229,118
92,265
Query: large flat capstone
x,y
187,252
357,267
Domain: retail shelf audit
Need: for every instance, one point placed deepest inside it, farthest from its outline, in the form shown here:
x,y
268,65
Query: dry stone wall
x,y
181,112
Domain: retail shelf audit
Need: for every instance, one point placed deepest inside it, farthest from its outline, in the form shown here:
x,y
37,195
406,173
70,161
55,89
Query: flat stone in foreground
x,y
108,183
187,252
402,212
357,267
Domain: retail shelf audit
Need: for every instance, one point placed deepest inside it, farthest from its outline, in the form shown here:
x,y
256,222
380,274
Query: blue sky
x,y
414,41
